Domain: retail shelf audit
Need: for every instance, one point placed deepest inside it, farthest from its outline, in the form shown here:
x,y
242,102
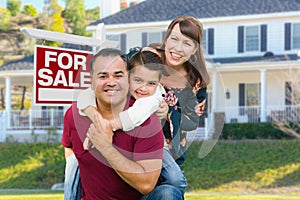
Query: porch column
x,y
8,100
263,96
215,91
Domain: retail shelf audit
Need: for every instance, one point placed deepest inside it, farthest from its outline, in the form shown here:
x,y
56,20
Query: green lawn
x,y
58,195
236,167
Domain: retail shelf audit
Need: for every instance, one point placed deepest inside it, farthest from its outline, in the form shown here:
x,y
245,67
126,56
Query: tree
x,y
75,13
30,10
52,17
5,19
14,6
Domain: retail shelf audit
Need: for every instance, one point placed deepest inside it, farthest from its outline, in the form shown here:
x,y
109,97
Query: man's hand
x,y
100,132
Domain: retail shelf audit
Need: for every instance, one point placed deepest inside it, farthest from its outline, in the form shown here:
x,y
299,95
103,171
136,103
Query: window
x,y
252,94
252,38
292,93
296,36
154,37
115,37
204,41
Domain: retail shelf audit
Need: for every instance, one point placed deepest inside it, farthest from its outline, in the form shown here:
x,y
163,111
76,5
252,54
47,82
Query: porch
x,y
252,114
29,123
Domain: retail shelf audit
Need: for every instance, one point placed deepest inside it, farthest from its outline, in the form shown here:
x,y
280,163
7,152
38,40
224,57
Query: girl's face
x,y
143,82
178,47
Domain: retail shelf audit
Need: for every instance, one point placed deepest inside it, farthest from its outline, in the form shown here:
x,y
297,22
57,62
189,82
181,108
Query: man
x,y
122,165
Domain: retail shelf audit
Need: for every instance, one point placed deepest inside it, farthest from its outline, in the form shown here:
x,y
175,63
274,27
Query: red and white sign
x,y
60,74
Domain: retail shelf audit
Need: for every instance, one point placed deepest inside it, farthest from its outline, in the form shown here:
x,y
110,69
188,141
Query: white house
x,y
252,51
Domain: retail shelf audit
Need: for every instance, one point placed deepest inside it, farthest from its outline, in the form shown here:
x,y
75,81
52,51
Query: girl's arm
x,y
142,109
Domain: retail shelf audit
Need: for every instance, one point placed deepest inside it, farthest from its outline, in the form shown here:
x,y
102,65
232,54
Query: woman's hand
x,y
200,107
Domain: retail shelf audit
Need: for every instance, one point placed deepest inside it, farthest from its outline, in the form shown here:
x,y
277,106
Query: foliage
x,y
92,14
30,10
51,16
75,13
14,6
5,19
238,131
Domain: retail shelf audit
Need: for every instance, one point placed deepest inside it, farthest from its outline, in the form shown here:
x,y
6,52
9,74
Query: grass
x,y
58,195
245,167
251,168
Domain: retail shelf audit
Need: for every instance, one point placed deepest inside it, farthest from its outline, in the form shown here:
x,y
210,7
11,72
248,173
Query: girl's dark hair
x,y
146,58
192,28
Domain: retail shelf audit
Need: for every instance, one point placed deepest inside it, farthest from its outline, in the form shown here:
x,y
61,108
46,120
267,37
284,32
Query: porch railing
x,y
35,119
251,114
43,119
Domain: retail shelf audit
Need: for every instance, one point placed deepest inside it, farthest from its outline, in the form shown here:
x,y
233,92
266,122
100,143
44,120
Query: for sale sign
x,y
60,74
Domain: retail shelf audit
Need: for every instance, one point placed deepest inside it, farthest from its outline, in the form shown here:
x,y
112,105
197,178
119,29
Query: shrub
x,y
238,131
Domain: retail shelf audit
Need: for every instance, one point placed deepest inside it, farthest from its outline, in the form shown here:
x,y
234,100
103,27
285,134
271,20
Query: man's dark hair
x,y
106,53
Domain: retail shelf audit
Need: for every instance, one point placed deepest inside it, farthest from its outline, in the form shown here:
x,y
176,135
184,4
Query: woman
x,y
181,51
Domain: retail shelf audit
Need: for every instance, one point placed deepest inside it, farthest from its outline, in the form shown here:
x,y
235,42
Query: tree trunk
x,y
23,98
2,98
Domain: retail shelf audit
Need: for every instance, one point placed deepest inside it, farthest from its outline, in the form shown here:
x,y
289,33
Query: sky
x,y
39,4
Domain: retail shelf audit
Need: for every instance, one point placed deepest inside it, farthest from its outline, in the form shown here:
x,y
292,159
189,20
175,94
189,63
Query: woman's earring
x,y
193,59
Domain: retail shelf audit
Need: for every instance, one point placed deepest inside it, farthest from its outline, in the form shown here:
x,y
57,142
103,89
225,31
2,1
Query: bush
x,y
30,10
238,131
14,6
5,19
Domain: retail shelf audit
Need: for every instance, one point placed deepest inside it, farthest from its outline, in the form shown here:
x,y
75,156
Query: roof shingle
x,y
165,10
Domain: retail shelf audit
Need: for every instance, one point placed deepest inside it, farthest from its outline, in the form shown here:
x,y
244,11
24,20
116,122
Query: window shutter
x,y
287,36
123,42
263,33
163,35
210,41
240,39
144,39
241,98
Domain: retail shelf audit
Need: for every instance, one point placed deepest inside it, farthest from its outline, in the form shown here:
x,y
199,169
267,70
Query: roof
x,y
27,62
269,57
22,64
166,10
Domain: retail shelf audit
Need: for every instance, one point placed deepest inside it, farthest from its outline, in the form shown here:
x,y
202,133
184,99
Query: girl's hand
x,y
163,110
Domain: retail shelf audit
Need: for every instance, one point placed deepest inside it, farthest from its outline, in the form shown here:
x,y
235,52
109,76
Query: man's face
x,y
110,80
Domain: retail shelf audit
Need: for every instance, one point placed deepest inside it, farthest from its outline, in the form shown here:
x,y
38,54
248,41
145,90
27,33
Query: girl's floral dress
x,y
181,118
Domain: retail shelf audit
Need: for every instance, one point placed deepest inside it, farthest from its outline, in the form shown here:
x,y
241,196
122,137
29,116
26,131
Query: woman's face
x,y
178,47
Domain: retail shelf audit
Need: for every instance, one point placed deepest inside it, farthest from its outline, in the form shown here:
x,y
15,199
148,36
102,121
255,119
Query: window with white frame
x,y
252,38
154,37
296,36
